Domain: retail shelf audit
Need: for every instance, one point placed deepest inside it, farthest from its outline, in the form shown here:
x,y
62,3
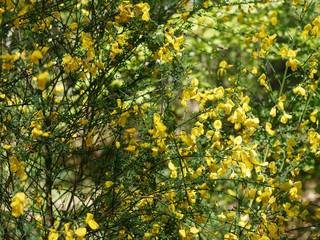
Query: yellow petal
x,y
194,230
35,56
42,80
238,140
156,118
217,124
171,166
89,141
109,184
130,130
59,88
254,161
161,127
21,197
146,16
46,134
53,235
89,217
93,224
7,147
182,233
36,132
80,232
130,148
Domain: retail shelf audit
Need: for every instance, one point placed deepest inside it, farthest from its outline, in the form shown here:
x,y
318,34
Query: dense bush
x,y
158,119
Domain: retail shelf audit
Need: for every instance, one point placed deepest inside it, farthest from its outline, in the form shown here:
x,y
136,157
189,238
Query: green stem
x,y
306,106
305,109
283,81
284,160
266,154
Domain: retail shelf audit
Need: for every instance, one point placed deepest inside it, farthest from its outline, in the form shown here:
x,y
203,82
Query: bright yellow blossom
x,y
17,204
42,80
80,233
92,224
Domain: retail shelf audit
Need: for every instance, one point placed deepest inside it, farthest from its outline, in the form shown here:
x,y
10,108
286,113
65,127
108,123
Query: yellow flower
x,y
228,107
273,112
36,132
73,26
284,119
46,134
218,92
14,163
90,136
273,16
223,65
262,79
292,63
283,51
182,233
237,140
130,130
159,125
35,56
67,59
305,34
70,63
17,204
230,236
230,216
315,31
145,8
53,235
260,179
171,166
194,230
67,231
272,166
80,233
295,192
254,70
86,40
313,115
299,90
292,53
195,82
217,124
247,41
243,221
7,147
42,80
130,148
59,88
122,233
268,129
109,184
252,193
185,16
295,3
92,224
123,119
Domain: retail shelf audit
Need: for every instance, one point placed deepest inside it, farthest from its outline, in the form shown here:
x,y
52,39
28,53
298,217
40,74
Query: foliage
x,y
158,119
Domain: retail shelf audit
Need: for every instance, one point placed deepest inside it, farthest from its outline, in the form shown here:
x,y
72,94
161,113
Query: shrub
x,y
158,120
